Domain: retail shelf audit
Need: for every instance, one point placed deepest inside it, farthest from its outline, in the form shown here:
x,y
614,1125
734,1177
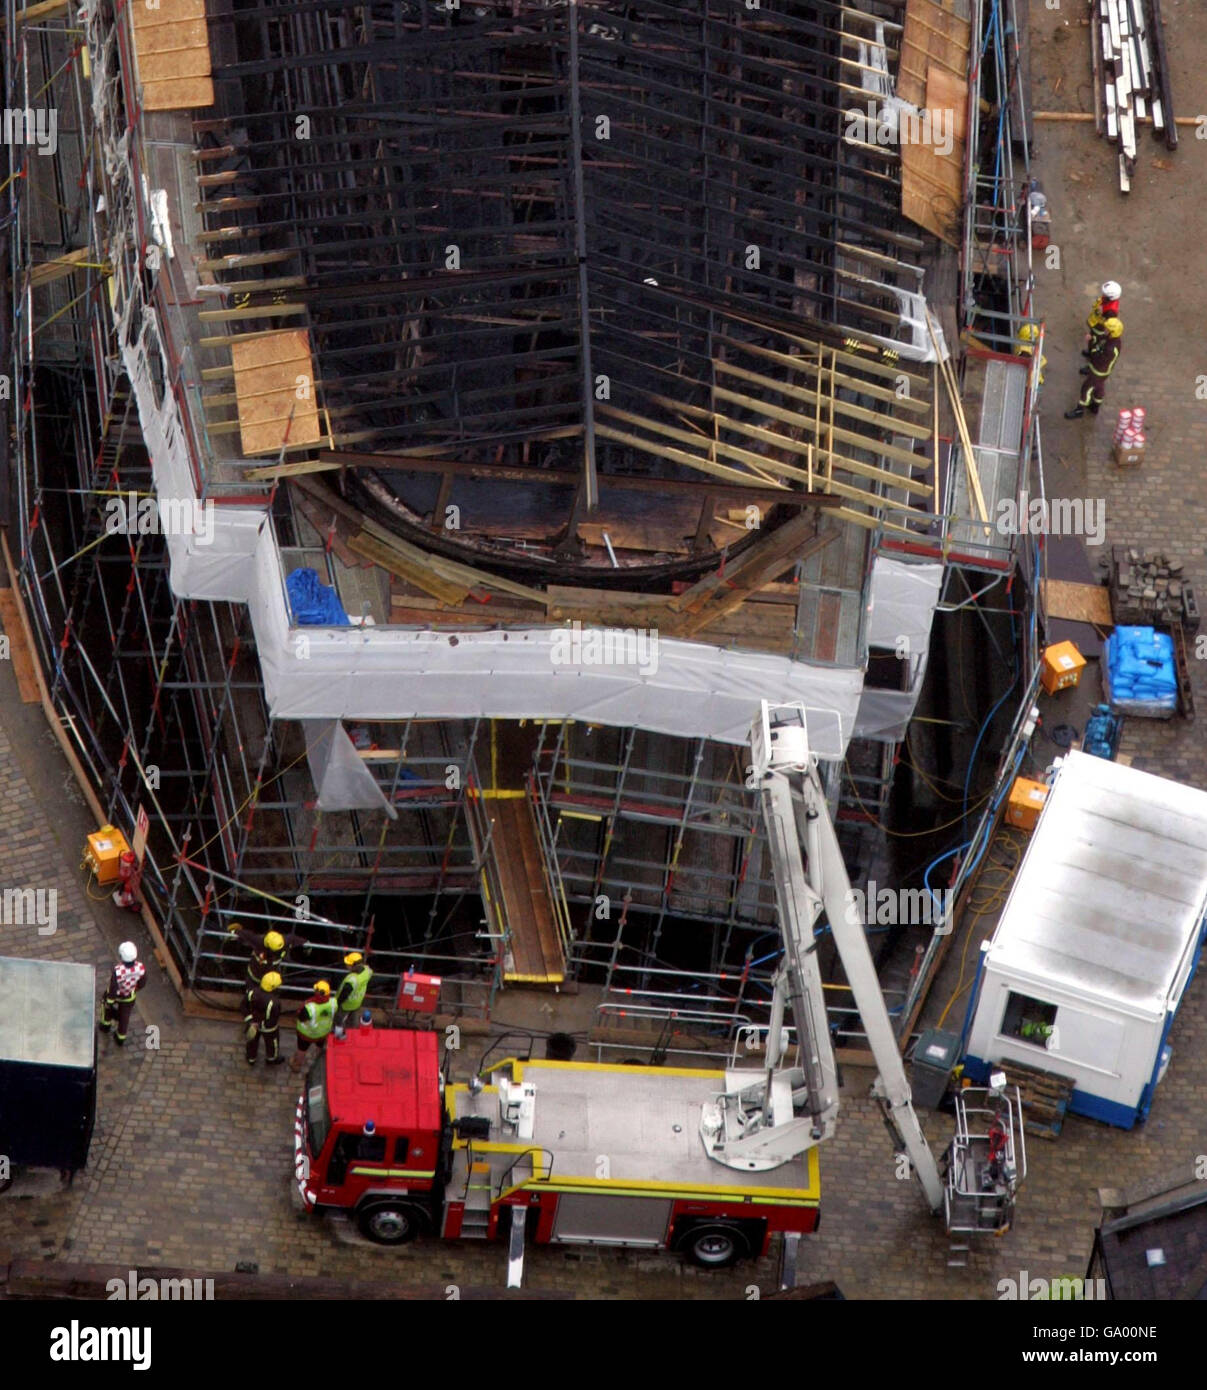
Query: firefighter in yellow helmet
x,y
315,1021
263,1020
1028,336
267,952
1104,353
352,988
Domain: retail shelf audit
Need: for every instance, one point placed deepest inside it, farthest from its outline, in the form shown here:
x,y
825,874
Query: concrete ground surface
x,y
193,1151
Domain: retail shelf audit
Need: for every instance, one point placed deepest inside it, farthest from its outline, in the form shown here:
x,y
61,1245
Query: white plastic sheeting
x,y
903,603
396,673
341,779
693,690
224,569
903,600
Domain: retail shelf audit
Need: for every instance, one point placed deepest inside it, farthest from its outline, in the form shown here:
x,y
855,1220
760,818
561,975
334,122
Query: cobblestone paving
x,y
192,1152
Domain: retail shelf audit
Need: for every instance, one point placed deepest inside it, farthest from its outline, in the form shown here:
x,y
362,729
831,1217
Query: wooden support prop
x,y
1087,116
49,271
410,564
32,13
957,406
19,653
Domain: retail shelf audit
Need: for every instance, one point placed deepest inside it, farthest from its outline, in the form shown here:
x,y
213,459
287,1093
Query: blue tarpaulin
x,y
314,603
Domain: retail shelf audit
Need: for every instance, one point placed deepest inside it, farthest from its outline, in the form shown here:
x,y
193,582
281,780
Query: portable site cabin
x,y
47,1062
1098,940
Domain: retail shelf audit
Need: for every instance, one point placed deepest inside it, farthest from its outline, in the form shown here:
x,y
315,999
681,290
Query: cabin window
x,y
401,1145
1029,1020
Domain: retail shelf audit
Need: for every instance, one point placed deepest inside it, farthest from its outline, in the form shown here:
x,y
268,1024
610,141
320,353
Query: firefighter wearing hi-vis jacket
x,y
263,1020
316,1018
352,988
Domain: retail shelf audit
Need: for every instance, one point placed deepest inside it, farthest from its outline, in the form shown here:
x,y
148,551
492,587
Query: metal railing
x,y
500,1187
551,869
481,832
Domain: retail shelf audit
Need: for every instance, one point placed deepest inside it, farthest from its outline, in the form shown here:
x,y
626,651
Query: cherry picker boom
x,y
765,1119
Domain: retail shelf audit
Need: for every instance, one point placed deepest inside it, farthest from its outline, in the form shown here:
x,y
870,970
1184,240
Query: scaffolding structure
x,y
756,342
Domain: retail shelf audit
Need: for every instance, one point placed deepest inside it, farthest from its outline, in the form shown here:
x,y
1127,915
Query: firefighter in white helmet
x,y
128,977
1106,306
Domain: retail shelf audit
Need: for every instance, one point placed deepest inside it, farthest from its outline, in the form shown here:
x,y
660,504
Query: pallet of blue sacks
x,y
1139,674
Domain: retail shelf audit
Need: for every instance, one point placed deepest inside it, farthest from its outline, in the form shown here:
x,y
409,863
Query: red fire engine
x,y
552,1152
711,1163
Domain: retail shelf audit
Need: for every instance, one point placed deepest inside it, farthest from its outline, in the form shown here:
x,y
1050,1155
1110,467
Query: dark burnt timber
x,y
589,240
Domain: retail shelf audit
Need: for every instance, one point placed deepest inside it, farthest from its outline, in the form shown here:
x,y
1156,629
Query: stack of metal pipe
x,y
1131,77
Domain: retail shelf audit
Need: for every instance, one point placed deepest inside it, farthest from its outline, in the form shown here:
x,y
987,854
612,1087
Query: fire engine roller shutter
x,y
599,1217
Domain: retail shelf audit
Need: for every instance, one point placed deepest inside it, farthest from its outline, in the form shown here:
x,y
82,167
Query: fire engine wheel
x,y
715,1247
389,1223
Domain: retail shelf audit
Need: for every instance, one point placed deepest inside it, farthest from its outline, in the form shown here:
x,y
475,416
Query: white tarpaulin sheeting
x,y
903,599
341,779
685,689
691,691
903,603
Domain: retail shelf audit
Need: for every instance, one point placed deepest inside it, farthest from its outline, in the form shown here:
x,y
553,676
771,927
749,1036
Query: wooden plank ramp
x,y
534,953
18,652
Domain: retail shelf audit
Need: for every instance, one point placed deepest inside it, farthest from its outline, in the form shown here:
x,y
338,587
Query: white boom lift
x,y
767,1117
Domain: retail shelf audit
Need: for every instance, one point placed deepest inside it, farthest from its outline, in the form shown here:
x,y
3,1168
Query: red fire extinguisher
x,y
130,873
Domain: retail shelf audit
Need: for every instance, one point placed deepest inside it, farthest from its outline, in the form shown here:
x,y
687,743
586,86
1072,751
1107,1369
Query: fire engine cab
x,y
552,1152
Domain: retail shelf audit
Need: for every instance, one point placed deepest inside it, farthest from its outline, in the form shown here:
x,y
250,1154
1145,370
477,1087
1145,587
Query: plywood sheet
x,y
932,182
927,196
171,44
949,93
178,94
267,367
1079,603
933,33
